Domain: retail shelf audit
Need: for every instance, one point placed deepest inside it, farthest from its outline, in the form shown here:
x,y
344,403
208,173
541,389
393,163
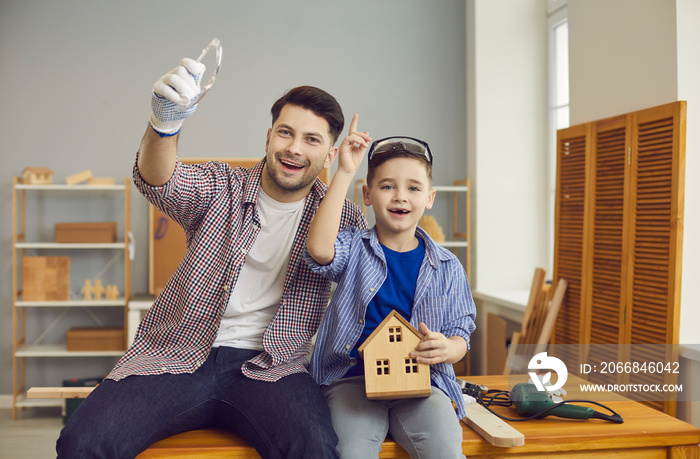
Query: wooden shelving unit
x,y
25,347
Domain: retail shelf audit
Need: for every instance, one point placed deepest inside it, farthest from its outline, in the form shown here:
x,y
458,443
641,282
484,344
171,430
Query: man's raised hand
x,y
171,92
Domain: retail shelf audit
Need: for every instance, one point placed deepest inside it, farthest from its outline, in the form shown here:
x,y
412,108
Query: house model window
x,y
394,334
382,367
411,365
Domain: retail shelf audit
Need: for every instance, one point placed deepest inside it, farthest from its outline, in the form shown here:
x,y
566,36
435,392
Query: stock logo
x,y
542,361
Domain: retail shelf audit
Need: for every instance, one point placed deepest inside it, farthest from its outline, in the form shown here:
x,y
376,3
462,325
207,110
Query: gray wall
x,y
75,91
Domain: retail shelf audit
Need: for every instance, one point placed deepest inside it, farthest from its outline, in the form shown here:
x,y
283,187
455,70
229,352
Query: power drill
x,y
528,401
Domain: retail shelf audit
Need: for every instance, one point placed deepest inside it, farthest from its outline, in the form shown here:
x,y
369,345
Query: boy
x,y
394,266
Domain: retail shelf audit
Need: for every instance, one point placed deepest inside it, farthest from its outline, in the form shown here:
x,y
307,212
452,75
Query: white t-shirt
x,y
256,295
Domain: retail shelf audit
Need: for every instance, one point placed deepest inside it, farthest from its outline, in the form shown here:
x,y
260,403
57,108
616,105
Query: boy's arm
x,y
448,342
323,231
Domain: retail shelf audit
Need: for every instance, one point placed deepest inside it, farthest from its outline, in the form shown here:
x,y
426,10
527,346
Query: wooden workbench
x,y
646,433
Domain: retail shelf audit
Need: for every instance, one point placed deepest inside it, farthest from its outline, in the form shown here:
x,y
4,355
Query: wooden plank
x,y
59,392
79,177
533,300
552,313
491,427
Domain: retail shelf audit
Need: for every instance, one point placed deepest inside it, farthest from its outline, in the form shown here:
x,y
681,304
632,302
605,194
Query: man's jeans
x,y
288,418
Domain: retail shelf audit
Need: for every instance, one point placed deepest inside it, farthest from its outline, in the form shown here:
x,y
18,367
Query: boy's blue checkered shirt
x,y
443,301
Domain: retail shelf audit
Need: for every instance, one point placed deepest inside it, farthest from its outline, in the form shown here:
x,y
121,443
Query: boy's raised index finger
x,y
353,124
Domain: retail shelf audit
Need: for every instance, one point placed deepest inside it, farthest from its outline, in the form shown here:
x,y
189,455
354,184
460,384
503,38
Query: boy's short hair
x,y
379,159
318,101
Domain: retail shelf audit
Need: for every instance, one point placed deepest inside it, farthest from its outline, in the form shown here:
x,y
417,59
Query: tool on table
x,y
533,403
530,402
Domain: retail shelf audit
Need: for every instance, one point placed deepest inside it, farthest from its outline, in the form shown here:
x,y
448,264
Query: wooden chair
x,y
540,316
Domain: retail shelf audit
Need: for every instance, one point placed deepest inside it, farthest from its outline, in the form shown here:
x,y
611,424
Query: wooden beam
x,y
59,392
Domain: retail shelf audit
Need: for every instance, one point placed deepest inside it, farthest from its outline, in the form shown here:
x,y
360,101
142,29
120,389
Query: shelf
x,y
59,187
58,350
23,402
24,312
71,303
456,188
69,245
454,244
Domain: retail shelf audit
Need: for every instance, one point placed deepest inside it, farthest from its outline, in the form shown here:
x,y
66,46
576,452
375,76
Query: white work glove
x,y
171,92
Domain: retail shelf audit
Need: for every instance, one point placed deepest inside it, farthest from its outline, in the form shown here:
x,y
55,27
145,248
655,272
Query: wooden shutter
x,y
572,149
618,235
656,227
655,244
604,293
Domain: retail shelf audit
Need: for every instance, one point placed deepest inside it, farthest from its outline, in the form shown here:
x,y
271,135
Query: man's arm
x,y
157,156
320,241
158,150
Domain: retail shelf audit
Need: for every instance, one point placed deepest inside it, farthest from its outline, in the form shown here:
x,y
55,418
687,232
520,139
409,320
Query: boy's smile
x,y
400,193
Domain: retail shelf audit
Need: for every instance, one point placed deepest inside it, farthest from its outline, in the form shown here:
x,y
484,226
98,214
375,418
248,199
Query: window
x,y
411,365
558,30
382,367
394,334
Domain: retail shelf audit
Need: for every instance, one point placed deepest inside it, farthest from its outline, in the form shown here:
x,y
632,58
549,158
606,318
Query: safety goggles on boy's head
x,y
399,143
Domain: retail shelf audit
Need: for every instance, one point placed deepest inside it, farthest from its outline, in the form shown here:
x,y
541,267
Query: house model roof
x,y
37,170
398,316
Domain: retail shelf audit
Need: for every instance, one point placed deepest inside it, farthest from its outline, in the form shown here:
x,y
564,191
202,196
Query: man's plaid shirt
x,y
216,205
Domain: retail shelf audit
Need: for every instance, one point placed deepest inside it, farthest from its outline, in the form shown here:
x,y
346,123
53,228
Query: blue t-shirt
x,y
395,294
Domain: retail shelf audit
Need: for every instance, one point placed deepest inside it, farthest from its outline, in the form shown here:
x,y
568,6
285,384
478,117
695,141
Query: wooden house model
x,y
390,372
37,176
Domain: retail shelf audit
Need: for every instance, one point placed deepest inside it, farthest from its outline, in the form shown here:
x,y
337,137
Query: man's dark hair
x,y
379,159
316,100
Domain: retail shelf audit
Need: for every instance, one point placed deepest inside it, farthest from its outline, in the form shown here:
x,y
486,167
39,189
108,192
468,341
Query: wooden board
x,y
95,339
82,176
491,427
45,278
59,392
166,239
98,232
496,344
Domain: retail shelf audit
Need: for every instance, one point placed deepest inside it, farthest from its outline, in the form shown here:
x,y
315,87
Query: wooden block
x,y
494,430
59,392
85,232
37,176
45,278
95,339
100,181
80,177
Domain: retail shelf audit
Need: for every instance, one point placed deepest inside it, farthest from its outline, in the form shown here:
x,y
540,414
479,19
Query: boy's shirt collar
x,y
434,252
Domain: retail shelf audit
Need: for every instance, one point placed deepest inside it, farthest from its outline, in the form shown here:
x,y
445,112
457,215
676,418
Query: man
x,y
225,343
